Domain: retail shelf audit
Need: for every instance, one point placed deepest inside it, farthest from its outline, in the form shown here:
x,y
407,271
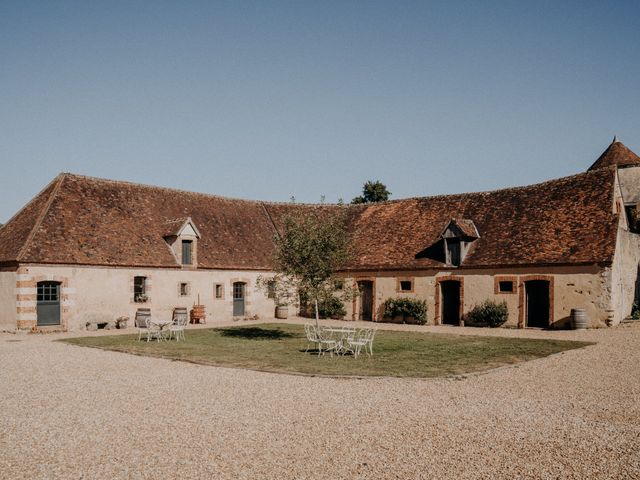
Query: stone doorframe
x,y
455,278
521,299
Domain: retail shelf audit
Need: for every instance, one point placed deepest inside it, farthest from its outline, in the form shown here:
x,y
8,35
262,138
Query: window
x,y
48,291
339,284
506,284
405,286
140,289
186,252
184,289
219,290
271,289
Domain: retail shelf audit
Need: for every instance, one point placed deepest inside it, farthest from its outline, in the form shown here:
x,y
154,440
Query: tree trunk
x,y
317,314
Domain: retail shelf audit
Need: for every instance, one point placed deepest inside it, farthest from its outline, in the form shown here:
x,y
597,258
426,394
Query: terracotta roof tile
x,y
88,221
616,154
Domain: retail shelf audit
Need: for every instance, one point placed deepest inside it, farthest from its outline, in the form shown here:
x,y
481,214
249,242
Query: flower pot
x,y
398,319
282,312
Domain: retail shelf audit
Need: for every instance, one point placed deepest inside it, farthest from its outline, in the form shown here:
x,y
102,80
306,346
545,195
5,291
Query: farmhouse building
x,y
87,249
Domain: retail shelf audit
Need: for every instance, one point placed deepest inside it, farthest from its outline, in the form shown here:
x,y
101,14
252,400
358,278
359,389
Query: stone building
x,y
86,250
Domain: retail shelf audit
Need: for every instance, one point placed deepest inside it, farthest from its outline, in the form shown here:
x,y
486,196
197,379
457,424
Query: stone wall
x,y
7,301
624,275
96,294
572,287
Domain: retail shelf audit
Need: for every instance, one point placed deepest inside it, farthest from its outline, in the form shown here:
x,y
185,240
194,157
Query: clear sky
x,y
266,99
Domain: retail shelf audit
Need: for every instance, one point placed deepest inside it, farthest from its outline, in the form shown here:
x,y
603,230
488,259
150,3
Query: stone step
x,y
630,320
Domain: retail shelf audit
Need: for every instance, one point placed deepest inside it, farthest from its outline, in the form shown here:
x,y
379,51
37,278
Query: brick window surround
x,y
505,278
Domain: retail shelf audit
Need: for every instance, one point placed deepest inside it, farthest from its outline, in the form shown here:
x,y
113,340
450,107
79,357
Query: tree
x,y
373,192
311,247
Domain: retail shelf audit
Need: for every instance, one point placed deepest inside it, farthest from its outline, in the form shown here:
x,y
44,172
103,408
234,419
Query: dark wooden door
x,y
238,299
450,292
537,292
366,300
48,303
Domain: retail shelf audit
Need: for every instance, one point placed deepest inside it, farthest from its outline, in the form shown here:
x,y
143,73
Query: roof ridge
x,y
190,192
60,178
463,197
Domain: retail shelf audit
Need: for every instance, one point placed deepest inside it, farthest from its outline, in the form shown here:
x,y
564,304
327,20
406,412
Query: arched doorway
x,y
239,299
537,303
450,303
48,303
366,300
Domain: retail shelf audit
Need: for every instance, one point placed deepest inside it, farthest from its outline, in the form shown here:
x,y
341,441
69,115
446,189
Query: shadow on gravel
x,y
255,333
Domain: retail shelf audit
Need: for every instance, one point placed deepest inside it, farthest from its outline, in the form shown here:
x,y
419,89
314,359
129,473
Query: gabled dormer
x,y
457,238
182,236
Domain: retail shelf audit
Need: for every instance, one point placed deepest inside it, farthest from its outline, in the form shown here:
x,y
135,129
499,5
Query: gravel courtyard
x,y
73,412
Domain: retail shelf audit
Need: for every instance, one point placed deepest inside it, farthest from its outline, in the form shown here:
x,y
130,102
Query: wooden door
x,y
366,300
238,299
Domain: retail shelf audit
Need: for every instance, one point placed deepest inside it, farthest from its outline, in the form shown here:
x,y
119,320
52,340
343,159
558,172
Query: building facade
x,y
88,250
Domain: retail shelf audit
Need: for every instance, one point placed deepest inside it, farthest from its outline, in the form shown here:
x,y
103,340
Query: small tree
x,y
373,192
310,248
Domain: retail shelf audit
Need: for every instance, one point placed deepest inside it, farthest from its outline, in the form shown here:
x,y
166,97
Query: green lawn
x,y
281,348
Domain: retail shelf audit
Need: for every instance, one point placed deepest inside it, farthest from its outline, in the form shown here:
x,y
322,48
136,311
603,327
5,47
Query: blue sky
x,y
268,100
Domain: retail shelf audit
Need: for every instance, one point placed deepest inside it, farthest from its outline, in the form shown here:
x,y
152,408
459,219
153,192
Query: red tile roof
x,y
88,221
616,154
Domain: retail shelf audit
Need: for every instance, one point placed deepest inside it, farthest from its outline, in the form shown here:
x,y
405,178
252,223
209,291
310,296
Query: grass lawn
x,y
281,348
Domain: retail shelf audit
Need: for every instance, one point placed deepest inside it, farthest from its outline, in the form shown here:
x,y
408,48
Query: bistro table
x,y
340,335
163,325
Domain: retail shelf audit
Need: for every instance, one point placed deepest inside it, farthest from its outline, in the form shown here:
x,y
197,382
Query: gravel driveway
x,y
74,412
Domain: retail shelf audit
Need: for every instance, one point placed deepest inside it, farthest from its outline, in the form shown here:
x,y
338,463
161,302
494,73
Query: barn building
x,y
86,250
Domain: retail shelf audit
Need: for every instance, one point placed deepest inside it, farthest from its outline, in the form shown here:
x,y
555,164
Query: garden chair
x,y
153,330
142,314
180,324
312,337
370,336
356,341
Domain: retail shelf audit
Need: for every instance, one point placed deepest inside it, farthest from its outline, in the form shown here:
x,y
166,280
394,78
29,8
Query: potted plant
x,y
405,310
141,298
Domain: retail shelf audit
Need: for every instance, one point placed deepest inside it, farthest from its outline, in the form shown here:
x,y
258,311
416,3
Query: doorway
x,y
366,300
238,299
450,294
537,303
48,303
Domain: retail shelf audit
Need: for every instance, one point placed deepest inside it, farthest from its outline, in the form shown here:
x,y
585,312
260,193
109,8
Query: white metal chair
x,y
370,336
312,337
142,314
154,331
180,324
363,338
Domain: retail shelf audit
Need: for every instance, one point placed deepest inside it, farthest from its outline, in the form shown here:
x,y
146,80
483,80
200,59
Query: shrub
x,y
487,314
331,307
405,308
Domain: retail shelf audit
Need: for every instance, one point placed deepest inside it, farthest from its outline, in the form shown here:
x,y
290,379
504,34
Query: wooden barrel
x,y
282,312
579,318
141,317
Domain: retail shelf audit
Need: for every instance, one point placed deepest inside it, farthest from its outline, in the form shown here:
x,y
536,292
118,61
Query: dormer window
x,y
186,252
182,236
458,236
